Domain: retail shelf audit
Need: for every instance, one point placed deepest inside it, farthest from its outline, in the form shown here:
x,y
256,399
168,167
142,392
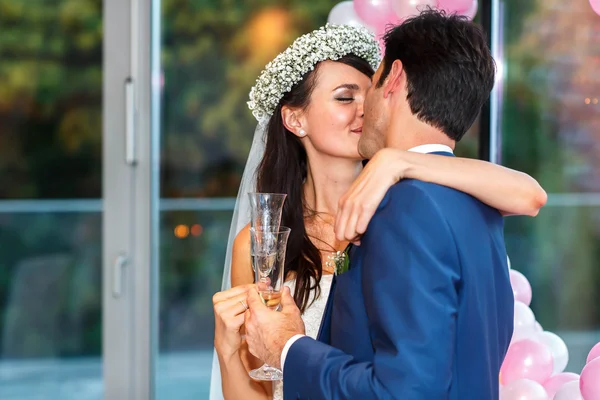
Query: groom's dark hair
x,y
448,65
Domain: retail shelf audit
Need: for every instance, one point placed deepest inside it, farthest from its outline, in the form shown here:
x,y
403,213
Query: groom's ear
x,y
395,79
292,121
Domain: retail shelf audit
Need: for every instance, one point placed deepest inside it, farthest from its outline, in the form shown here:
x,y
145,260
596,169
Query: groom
x,y
426,310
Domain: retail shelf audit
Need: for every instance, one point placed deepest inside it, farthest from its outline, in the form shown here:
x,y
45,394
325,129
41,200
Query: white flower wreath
x,y
330,42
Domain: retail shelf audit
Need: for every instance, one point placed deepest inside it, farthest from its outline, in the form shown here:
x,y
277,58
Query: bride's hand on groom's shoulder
x,y
229,308
358,205
268,331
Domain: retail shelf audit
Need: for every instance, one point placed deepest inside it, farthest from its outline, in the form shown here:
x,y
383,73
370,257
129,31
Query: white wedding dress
x,y
312,319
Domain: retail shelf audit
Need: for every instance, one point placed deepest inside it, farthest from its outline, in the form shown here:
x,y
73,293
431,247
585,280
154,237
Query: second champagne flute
x,y
268,247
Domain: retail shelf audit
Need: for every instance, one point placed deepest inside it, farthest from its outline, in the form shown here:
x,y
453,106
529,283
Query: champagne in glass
x,y
272,299
267,247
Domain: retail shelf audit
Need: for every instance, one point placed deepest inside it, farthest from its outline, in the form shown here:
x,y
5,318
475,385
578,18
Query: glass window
x,y
50,207
550,124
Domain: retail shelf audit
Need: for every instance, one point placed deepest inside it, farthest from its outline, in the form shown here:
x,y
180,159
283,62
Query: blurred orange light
x,y
182,231
267,32
595,101
197,229
587,100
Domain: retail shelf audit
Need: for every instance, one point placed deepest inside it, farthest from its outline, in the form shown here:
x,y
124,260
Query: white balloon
x,y
523,389
557,347
569,391
343,14
524,323
508,261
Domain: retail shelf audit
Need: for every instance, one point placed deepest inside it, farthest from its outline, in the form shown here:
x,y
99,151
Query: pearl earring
x,y
302,132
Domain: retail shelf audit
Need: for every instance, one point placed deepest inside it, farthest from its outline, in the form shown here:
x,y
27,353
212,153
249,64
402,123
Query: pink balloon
x,y
569,391
527,359
379,36
411,8
589,383
555,382
452,6
374,12
595,6
523,389
520,286
471,11
524,322
594,353
343,14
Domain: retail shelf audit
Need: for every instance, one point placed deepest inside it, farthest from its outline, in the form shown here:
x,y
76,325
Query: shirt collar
x,y
432,148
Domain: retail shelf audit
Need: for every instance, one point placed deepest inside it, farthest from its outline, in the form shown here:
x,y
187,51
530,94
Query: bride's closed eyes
x,y
345,93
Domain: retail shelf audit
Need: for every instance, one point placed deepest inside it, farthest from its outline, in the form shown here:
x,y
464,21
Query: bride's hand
x,y
229,307
358,205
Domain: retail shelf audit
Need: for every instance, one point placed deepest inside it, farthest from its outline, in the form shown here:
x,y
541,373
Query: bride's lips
x,y
357,130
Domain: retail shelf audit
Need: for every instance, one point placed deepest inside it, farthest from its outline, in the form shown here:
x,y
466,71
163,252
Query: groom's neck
x,y
405,135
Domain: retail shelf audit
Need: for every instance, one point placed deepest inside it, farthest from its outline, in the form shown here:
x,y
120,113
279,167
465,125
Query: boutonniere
x,y
340,261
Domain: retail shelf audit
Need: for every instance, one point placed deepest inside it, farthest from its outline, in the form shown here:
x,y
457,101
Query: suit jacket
x,y
425,311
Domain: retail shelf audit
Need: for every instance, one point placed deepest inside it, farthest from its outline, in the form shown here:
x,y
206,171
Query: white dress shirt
x,y
424,148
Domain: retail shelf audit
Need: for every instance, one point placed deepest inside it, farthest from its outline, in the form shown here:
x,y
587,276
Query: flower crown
x,y
330,42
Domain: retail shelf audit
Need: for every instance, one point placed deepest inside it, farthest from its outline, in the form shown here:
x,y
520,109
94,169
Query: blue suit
x,y
424,313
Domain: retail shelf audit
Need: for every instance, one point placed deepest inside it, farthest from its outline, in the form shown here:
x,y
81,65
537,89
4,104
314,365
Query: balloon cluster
x,y
533,368
376,15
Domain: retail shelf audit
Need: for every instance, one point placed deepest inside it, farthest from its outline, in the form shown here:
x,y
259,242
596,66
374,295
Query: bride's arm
x,y
509,191
236,382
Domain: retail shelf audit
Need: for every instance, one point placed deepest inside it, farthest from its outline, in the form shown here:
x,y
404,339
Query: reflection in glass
x,y
50,304
50,208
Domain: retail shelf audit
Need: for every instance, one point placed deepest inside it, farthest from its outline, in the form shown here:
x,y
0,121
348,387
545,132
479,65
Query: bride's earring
x,y
302,133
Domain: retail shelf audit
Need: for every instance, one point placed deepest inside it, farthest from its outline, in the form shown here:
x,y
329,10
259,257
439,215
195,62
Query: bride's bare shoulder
x,y
241,263
242,240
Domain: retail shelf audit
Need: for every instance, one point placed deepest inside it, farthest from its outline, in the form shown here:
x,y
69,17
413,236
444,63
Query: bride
x,y
309,104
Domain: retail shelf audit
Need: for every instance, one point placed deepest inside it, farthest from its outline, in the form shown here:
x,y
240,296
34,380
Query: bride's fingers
x,y
338,215
235,323
342,219
230,293
337,221
364,219
350,232
231,307
349,206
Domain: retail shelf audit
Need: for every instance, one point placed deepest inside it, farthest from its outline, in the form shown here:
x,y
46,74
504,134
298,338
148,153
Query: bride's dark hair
x,y
283,169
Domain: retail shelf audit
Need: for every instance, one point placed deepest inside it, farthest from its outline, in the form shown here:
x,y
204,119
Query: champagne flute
x,y
266,209
268,247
